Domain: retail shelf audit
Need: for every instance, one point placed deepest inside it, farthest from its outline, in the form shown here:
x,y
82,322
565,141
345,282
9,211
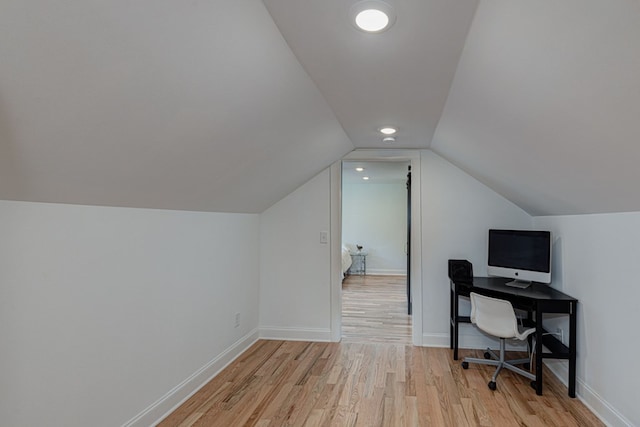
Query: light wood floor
x,y
374,309
284,383
375,377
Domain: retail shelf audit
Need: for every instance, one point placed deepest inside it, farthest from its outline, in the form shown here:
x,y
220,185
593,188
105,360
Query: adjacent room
x,y
375,235
172,210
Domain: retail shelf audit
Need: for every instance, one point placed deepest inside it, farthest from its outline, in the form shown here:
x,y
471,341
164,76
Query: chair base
x,y
500,363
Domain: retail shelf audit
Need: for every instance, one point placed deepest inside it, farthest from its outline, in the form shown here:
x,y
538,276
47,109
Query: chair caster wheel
x,y
533,385
492,385
465,365
487,355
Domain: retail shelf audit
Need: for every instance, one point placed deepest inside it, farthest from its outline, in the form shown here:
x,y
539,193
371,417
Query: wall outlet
x,y
324,237
237,324
560,334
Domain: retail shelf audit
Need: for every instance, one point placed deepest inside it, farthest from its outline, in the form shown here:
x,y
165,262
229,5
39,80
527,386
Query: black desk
x,y
535,300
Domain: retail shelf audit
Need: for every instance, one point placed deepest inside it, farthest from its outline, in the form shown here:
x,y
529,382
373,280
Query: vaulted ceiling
x,y
196,105
229,105
545,104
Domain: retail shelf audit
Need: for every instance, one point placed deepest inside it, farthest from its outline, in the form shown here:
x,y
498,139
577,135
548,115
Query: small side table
x,y
358,263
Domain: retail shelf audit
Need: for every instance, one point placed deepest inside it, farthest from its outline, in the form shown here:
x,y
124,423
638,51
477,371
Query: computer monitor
x,y
523,255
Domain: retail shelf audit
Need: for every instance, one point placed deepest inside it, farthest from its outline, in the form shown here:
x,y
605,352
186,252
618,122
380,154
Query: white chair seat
x,y
496,317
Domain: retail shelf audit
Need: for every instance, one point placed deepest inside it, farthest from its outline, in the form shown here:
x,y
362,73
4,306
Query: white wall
x,y
457,212
295,266
595,261
374,215
107,311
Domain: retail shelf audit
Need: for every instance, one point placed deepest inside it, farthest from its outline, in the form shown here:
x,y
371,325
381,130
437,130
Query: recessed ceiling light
x,y
372,16
366,178
388,139
388,130
359,169
372,20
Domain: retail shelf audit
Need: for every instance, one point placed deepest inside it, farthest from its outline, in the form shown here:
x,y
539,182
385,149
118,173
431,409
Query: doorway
x,y
413,157
376,299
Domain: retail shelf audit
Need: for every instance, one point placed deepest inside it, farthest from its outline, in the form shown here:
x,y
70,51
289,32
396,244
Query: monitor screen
x,y
520,254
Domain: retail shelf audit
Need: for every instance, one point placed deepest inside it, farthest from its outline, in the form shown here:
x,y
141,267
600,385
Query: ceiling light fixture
x,y
366,178
372,20
389,139
388,130
372,16
359,169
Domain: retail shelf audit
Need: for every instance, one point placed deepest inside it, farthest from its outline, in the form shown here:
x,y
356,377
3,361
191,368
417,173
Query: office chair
x,y
496,317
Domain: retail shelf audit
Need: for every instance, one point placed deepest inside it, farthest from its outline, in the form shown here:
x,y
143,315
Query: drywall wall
x,y
295,265
457,212
374,215
595,261
109,316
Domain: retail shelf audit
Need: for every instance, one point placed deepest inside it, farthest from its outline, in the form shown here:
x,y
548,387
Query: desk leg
x,y
450,316
530,337
538,352
454,322
572,349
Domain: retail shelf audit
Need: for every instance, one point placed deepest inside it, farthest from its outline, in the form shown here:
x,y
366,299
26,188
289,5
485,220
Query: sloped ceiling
x,y
376,172
229,105
400,77
196,105
545,104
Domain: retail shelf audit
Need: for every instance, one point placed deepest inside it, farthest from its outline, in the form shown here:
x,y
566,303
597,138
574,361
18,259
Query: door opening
x,y
376,233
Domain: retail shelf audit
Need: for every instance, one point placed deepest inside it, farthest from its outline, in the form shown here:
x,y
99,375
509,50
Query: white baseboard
x,y
466,341
600,407
295,334
180,393
435,340
385,272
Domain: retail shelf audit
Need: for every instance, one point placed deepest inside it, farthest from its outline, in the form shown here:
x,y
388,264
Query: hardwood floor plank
x,y
315,418
370,409
374,309
372,378
284,383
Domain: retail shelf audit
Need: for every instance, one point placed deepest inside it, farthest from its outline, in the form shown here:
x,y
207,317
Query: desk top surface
x,y
539,291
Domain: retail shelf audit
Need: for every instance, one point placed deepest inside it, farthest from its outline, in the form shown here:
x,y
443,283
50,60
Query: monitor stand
x,y
521,284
